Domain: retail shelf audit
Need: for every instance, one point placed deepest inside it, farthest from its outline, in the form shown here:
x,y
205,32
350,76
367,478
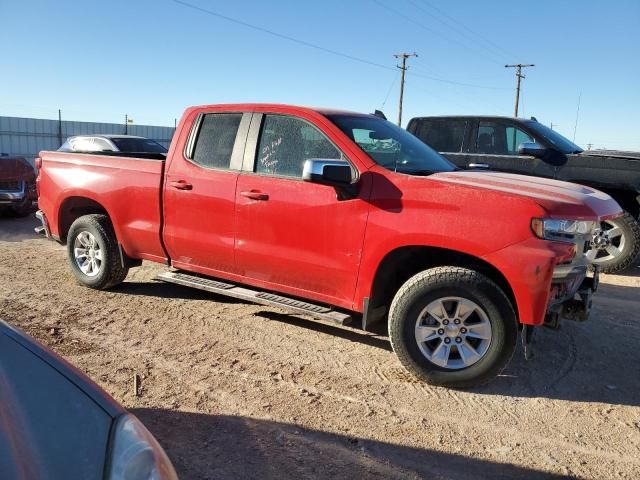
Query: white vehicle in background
x,y
122,145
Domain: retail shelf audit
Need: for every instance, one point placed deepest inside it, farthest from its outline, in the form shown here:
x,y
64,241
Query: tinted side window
x,y
515,137
443,135
215,140
286,142
491,139
500,139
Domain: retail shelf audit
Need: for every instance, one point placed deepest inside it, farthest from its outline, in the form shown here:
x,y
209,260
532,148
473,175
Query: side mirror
x,y
533,149
335,173
550,155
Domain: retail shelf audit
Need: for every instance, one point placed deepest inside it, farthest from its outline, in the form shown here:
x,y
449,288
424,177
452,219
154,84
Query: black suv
x,y
528,147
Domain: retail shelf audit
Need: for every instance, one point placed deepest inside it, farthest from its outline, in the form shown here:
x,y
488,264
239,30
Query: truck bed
x,y
128,188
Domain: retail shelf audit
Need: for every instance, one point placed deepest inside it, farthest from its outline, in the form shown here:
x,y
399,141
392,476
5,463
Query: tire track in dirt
x,y
212,355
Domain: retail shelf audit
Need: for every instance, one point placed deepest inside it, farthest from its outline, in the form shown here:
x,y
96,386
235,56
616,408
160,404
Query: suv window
x,y
443,135
515,137
215,140
500,139
286,142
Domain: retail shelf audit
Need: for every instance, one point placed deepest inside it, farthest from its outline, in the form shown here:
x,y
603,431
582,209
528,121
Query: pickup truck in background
x,y
517,145
17,185
336,215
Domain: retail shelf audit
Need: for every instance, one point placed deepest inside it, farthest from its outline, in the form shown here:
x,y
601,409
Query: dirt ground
x,y
236,390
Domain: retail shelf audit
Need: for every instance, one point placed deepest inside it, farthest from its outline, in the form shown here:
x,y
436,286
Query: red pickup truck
x,y
337,215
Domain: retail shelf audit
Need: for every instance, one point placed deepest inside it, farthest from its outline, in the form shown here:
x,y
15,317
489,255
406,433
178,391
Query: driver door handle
x,y
181,185
255,195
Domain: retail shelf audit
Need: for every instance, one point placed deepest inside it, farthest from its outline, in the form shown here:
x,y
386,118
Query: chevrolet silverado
x,y
337,215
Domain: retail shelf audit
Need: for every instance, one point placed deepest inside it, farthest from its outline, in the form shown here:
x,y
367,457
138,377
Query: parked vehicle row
x,y
528,147
17,185
338,215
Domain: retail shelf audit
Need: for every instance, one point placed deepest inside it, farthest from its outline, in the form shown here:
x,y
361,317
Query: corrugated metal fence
x,y
25,137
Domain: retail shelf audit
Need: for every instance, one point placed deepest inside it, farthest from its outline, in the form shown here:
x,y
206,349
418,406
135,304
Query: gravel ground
x,y
236,390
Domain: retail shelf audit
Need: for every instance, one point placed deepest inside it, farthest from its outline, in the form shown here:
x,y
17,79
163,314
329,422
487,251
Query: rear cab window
x,y
443,135
215,139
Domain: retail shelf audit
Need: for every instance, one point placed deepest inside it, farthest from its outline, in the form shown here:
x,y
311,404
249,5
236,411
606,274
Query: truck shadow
x,y
594,361
170,290
220,446
17,229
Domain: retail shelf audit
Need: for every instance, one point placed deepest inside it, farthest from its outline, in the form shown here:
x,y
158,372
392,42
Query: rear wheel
x,y
452,326
617,246
93,252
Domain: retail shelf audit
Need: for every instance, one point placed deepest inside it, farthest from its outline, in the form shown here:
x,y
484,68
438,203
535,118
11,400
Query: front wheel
x,y
452,326
617,245
93,252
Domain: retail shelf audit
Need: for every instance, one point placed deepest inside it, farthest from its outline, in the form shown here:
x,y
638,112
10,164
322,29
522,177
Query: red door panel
x,y
298,237
199,221
199,195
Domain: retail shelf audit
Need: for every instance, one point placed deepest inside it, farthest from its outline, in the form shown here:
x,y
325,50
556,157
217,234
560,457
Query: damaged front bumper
x,y
572,290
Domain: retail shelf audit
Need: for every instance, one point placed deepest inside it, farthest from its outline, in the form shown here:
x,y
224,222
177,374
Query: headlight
x,y
561,230
136,455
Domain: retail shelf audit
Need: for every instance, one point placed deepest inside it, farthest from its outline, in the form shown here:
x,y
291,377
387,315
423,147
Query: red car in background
x,y
17,185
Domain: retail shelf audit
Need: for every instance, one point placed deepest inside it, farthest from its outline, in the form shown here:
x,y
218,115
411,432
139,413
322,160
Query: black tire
x,y
631,233
433,284
111,271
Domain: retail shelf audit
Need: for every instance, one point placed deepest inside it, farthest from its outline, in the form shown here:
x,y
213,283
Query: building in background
x,y
25,137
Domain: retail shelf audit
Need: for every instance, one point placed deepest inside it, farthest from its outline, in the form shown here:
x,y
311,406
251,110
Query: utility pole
x,y
519,76
404,67
60,127
126,123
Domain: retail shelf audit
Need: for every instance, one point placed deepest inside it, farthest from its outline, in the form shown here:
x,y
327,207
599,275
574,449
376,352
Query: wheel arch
x,y
74,207
629,200
402,263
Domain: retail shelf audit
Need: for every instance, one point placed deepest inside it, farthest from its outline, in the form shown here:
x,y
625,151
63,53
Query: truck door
x,y
495,146
295,236
199,194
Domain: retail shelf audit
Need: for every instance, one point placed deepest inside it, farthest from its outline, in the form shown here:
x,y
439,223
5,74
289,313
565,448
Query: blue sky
x,y
150,59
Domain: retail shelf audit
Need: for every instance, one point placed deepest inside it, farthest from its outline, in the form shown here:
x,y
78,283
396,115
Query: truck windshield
x,y
390,146
558,141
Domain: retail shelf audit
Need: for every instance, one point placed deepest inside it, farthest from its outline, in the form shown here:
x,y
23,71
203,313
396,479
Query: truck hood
x,y
15,168
610,154
559,199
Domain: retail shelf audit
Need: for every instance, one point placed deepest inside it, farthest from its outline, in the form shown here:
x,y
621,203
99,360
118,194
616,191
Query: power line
x,y
453,82
395,77
424,27
489,49
482,37
575,127
281,35
319,47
